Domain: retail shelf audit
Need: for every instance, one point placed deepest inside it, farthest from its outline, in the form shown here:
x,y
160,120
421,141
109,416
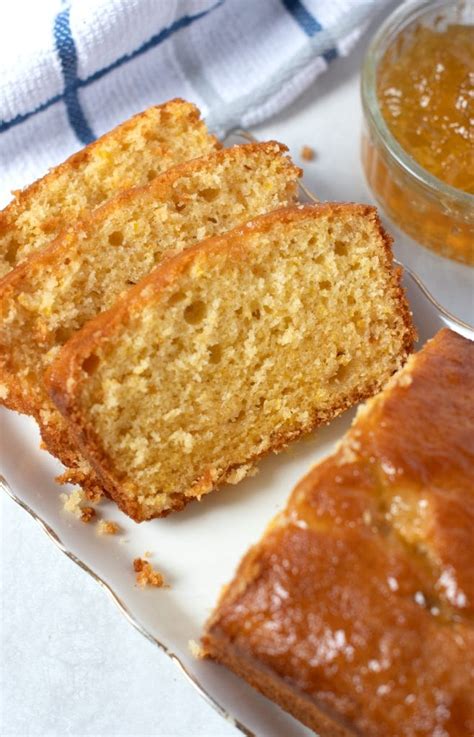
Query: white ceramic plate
x,y
197,549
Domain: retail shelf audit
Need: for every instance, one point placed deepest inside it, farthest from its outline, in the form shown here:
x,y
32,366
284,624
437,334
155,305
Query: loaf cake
x,y
130,155
55,291
355,610
230,350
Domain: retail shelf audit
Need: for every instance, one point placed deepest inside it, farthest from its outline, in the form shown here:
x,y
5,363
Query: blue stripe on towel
x,y
177,25
66,49
20,118
308,23
156,40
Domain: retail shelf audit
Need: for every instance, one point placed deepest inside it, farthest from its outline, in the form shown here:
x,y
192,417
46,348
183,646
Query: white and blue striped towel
x,y
69,71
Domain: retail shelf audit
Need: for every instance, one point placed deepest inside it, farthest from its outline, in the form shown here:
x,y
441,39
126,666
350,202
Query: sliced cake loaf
x,y
131,154
232,349
54,292
355,610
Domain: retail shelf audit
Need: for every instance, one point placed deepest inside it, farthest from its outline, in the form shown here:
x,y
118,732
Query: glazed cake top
x,y
361,594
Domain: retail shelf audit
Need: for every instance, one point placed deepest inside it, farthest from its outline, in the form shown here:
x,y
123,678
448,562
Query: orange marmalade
x,y
426,95
423,85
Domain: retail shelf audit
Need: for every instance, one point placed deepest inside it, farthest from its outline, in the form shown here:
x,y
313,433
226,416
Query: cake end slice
x,y
355,610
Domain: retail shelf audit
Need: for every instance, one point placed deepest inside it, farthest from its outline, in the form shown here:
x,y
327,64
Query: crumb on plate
x,y
72,502
107,527
146,574
307,153
87,513
196,650
74,476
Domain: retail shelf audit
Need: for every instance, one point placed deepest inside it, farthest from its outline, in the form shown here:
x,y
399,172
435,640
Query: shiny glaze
x,y
361,594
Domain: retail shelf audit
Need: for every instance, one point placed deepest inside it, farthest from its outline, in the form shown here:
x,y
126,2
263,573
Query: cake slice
x,y
355,610
131,154
54,292
232,349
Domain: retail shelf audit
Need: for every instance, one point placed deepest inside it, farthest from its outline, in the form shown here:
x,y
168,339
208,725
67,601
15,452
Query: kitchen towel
x,y
70,71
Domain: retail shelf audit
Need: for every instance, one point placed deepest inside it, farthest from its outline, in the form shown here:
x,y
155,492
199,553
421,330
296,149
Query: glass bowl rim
x,y
397,21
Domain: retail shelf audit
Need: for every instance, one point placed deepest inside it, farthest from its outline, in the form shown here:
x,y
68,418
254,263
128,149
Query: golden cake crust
x,y
26,198
23,196
66,372
356,607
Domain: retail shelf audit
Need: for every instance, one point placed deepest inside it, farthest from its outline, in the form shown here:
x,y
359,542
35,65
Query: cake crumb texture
x,y
231,350
355,610
56,291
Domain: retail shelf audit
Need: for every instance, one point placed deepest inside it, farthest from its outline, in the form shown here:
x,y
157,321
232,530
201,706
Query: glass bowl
x,y
430,211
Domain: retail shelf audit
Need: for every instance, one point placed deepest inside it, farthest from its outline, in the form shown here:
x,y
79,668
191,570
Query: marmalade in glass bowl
x,y
418,143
